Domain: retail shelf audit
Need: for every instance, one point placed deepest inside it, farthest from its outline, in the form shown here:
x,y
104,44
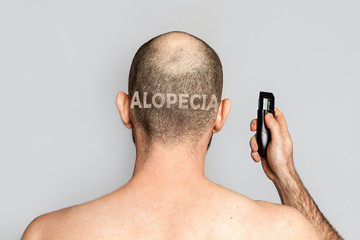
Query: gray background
x,y
62,63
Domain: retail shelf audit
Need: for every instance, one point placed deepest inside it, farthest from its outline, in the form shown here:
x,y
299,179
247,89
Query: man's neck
x,y
178,166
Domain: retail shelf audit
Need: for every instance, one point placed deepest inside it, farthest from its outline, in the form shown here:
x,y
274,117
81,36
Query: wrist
x,y
286,181
286,174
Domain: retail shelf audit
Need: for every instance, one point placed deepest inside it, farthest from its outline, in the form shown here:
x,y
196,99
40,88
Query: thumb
x,y
273,125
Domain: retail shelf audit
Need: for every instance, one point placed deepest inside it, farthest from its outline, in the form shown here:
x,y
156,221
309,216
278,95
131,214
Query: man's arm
x,y
279,167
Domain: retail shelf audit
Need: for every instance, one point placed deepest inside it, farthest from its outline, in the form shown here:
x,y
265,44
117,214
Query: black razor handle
x,y
263,136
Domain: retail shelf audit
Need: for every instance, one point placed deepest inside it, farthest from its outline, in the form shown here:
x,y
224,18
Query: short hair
x,y
177,63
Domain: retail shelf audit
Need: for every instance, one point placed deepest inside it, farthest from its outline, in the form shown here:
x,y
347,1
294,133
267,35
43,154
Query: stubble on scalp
x,y
178,63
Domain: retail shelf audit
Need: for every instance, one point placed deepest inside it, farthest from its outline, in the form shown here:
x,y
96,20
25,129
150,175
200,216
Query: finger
x,y
280,118
255,156
253,125
273,125
253,144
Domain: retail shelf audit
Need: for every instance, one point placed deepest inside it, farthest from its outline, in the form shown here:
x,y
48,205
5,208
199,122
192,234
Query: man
x,y
173,108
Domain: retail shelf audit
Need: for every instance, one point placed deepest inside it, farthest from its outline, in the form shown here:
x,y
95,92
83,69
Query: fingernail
x,y
269,115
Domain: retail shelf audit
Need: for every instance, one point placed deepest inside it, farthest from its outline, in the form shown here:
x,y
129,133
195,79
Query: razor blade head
x,y
266,101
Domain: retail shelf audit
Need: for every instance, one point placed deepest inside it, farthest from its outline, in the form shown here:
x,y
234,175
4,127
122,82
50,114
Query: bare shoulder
x,y
33,231
38,227
267,220
49,225
73,222
288,221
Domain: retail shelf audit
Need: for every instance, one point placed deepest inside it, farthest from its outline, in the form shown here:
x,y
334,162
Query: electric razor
x,y
263,136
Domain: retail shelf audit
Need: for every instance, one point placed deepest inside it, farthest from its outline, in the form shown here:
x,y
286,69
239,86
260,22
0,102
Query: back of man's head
x,y
175,85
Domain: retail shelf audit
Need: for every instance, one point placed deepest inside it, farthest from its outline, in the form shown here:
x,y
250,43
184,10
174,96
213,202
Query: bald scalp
x,y
181,64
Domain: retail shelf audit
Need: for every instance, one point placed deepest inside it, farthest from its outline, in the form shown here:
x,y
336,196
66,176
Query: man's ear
x,y
123,104
223,112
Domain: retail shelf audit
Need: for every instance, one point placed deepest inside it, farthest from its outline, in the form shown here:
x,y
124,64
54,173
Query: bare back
x,y
212,212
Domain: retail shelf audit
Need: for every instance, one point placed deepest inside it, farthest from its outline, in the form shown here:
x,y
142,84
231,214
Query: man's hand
x,y
279,162
279,167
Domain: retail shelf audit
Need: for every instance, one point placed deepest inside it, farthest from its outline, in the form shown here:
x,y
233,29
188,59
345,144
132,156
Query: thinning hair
x,y
178,63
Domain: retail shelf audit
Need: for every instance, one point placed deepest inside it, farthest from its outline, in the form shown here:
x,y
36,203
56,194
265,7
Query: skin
x,y
169,197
